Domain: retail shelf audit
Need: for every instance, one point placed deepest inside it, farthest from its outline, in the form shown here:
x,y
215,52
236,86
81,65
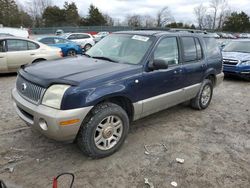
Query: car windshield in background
x,y
121,48
238,46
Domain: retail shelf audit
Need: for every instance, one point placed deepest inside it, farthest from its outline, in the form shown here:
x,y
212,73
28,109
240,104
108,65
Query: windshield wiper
x,y
105,58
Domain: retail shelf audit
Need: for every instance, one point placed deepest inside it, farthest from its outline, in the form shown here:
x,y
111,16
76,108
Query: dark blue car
x,y
126,76
68,47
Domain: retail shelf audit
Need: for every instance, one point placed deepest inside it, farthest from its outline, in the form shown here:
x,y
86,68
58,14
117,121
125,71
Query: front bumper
x,y
219,78
239,70
33,114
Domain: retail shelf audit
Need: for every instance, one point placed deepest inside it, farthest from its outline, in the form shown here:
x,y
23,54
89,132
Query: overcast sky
x,y
182,10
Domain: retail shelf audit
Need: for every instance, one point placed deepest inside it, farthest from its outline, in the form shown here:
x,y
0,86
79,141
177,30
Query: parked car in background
x,y
6,35
214,35
68,47
126,76
84,39
17,32
15,52
59,32
99,36
236,58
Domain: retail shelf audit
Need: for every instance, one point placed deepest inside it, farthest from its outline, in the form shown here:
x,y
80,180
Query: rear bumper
x,y
219,78
33,114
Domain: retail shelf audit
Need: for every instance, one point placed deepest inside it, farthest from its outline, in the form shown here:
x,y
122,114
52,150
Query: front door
x,y
163,88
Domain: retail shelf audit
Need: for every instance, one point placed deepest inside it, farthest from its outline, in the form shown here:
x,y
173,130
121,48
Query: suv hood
x,y
236,56
72,70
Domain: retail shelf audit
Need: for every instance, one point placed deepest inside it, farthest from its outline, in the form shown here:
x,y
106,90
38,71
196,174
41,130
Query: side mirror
x,y
159,64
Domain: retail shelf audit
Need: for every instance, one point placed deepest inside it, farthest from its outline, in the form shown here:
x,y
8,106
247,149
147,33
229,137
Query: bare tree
x,y
163,17
200,13
208,21
109,20
148,21
224,12
134,20
220,11
36,9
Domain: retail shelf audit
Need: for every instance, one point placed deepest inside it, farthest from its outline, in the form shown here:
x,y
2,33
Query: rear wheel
x,y
87,47
71,53
203,98
104,131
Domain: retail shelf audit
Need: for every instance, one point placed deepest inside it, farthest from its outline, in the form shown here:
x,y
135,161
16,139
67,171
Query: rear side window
x,y
73,36
48,41
213,50
32,46
83,36
60,41
189,49
17,45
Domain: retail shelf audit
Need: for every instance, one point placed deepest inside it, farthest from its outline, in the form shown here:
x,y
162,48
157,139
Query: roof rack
x,y
173,30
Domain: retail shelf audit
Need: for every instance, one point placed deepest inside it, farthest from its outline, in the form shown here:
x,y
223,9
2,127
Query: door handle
x,y
1,57
32,54
203,65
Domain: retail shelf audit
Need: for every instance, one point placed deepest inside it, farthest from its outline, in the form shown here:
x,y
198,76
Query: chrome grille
x,y
231,62
28,90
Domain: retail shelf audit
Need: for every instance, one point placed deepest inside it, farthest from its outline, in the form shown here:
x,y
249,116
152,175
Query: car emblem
x,y
24,87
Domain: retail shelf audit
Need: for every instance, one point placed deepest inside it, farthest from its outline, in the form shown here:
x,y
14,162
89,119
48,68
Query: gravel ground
x,y
215,144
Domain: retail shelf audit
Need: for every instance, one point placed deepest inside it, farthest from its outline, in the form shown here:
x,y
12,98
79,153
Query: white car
x,y
84,39
18,32
15,52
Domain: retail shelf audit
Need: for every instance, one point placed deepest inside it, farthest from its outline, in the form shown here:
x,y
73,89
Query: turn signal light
x,y
69,122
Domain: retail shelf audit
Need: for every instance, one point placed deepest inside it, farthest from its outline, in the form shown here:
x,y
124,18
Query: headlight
x,y
53,95
245,62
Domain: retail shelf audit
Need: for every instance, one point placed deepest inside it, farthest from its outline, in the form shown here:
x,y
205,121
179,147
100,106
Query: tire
x,y
204,97
71,53
87,47
97,138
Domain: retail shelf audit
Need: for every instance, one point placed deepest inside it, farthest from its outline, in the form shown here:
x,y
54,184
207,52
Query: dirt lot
x,y
215,144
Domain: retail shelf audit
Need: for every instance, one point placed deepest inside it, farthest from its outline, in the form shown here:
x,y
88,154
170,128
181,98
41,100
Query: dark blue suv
x,y
126,76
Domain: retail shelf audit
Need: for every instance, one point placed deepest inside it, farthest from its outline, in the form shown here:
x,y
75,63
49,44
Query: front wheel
x,y
203,98
104,131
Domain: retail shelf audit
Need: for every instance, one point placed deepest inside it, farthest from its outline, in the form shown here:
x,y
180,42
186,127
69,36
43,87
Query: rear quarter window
x,y
212,47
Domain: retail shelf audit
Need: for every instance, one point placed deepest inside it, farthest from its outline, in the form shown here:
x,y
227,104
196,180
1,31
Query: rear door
x,y
3,57
194,64
20,52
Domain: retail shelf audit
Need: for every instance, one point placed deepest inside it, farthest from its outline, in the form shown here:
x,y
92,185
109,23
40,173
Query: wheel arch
x,y
38,59
120,100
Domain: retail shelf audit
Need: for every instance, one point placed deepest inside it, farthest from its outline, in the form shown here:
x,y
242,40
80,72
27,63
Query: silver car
x,y
15,52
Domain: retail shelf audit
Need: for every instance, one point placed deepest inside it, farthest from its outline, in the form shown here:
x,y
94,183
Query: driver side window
x,y
167,50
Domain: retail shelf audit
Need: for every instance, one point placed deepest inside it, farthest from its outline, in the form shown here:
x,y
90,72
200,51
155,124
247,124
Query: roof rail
x,y
172,30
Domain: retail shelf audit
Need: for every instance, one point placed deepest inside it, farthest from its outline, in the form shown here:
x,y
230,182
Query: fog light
x,y
43,124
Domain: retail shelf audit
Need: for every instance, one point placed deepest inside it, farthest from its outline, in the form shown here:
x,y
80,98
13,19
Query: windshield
x,y
121,48
238,46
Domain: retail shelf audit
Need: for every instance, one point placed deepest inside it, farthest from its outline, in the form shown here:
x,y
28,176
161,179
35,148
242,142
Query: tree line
x,y
43,13
219,16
